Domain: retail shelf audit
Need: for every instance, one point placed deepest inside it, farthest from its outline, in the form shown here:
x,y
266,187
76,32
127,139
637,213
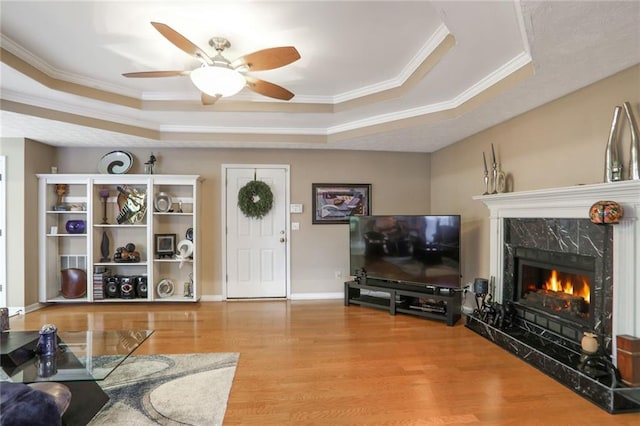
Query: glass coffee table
x,y
83,358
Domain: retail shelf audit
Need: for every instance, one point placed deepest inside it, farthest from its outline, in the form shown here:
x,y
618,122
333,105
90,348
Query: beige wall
x,y
400,184
558,144
39,159
13,149
24,159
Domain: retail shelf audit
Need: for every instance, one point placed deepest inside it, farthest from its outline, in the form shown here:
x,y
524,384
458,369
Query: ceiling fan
x,y
217,76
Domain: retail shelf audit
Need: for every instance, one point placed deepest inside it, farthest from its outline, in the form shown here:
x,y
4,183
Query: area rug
x,y
189,389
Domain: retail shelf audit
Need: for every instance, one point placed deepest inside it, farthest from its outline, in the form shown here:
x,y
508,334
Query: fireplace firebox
x,y
558,284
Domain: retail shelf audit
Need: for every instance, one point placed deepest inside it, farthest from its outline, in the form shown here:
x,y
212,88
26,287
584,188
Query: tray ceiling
x,y
374,75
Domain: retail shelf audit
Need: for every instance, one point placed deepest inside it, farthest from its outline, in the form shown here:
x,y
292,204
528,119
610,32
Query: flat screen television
x,y
419,250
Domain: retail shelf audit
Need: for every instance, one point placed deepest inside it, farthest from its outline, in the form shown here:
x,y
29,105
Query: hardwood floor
x,y
319,362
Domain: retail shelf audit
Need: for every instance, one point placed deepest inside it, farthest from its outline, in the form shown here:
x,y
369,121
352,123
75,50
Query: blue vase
x,y
48,341
75,226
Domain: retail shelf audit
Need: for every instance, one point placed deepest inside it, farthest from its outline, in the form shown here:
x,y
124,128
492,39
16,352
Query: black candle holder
x,y
104,195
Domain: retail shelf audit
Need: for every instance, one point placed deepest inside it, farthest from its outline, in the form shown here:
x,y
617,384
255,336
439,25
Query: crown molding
x,y
56,74
431,45
243,130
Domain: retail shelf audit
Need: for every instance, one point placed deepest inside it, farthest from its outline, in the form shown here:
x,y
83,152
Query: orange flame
x,y
576,285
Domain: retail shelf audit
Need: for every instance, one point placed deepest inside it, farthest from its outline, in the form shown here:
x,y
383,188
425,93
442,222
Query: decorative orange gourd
x,y
605,212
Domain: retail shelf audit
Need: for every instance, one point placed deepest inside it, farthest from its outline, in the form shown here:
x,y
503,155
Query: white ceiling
x,y
359,83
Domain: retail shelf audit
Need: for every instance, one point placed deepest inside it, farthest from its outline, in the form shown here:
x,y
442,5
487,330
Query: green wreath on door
x,y
255,199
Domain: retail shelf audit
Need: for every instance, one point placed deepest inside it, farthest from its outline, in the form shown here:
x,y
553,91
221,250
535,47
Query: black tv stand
x,y
428,301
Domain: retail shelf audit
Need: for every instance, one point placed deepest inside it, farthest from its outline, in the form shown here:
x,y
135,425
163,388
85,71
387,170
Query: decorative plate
x,y
115,163
162,202
165,288
185,248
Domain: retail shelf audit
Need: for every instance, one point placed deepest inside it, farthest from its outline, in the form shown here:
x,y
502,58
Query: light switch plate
x,y
295,208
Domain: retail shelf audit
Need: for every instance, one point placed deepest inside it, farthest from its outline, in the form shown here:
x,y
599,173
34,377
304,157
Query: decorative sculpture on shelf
x,y
104,248
494,174
612,162
634,172
486,175
104,195
132,203
188,287
61,190
126,254
498,179
612,165
148,166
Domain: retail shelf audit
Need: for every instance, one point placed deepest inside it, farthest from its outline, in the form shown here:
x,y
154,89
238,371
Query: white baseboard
x,y
212,298
316,296
294,296
13,310
207,298
21,310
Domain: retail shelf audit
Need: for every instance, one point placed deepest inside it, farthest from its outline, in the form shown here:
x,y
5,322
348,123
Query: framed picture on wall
x,y
337,202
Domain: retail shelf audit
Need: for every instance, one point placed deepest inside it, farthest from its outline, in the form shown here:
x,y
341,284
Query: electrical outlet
x,y
338,274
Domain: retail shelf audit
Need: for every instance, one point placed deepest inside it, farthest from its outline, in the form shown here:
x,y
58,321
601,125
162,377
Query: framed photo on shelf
x,y
337,202
165,245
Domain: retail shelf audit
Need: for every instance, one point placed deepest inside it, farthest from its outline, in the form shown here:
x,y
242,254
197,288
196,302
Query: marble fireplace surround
x,y
574,202
622,295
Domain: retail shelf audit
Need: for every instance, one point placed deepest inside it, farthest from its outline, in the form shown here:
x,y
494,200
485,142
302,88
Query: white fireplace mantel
x,y
574,202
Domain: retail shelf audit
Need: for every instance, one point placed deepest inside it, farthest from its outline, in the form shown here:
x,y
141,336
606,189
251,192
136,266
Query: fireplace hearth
x,y
556,273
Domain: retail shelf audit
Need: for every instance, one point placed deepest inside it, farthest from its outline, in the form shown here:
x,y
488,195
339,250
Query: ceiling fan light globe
x,y
217,81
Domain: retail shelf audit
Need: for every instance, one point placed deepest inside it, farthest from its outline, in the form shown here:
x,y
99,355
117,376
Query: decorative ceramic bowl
x,y
74,283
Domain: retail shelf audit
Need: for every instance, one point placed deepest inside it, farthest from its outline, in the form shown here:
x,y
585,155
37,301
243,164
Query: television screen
x,y
421,250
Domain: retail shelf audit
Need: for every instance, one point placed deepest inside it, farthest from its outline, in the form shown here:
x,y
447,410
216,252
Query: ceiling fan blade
x,y
268,59
268,89
209,100
180,41
152,74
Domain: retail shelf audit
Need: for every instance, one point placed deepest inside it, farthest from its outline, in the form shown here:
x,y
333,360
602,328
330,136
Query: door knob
x,y
282,240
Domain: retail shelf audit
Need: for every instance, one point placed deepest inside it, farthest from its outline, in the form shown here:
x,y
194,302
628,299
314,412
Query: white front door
x,y
256,249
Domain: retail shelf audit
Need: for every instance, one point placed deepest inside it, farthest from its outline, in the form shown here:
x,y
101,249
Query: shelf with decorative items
x,y
176,248
107,227
120,237
64,243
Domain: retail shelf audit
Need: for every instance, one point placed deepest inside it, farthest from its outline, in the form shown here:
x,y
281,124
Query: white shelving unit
x,y
93,199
